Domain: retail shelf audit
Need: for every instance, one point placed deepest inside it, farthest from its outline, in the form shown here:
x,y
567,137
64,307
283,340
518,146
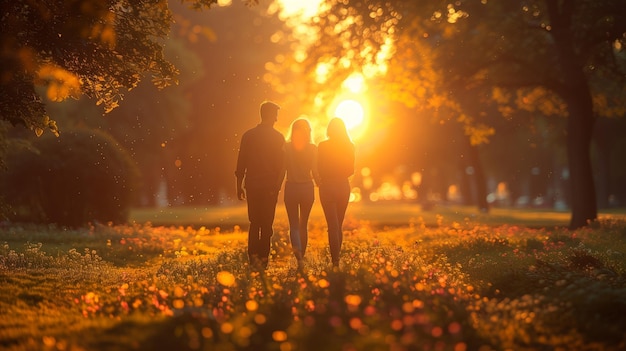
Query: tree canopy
x,y
62,49
451,59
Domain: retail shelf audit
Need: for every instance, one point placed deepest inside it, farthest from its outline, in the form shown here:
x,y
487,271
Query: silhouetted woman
x,y
301,165
335,165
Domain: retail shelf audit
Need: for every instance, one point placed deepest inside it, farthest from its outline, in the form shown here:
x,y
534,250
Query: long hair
x,y
300,133
337,130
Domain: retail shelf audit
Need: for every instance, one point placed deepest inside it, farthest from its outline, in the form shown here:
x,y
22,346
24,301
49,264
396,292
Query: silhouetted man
x,y
260,170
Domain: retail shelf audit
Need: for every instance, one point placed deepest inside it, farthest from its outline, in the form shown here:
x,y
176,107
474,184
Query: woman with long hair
x,y
301,166
335,165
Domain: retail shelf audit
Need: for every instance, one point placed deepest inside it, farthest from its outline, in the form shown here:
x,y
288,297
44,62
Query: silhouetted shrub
x,y
83,175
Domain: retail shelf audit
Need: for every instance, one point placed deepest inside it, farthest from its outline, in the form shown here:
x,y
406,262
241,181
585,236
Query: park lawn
x,y
443,281
378,214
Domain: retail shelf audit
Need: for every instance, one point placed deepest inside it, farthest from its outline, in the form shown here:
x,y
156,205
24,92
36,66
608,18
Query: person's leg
x,y
291,205
343,199
253,244
329,206
269,199
306,204
254,232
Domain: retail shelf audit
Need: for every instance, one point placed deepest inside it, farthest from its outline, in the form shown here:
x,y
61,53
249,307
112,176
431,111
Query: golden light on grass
x,y
385,304
408,307
245,332
226,278
279,335
353,300
91,297
227,328
397,324
260,319
323,283
207,333
355,323
436,332
178,304
460,347
418,303
252,305
49,341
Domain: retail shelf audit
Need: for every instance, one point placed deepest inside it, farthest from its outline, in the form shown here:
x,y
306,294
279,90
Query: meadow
x,y
441,280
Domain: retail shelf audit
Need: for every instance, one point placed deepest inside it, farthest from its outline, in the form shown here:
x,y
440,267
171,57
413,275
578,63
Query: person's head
x,y
300,134
269,111
337,130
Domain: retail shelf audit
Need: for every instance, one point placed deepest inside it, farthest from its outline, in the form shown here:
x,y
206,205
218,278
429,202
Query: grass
x,y
379,214
441,280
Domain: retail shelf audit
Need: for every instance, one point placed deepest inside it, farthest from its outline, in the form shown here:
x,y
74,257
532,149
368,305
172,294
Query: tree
x,y
97,48
562,46
478,45
224,100
376,40
81,176
147,123
98,51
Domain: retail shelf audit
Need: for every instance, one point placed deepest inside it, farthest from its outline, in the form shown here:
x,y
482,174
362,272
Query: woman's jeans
x,y
299,199
334,196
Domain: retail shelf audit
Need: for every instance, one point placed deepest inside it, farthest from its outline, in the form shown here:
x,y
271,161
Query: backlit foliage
x,y
454,286
328,49
61,49
443,58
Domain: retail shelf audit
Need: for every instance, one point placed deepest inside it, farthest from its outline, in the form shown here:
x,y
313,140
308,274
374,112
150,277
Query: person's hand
x,y
241,194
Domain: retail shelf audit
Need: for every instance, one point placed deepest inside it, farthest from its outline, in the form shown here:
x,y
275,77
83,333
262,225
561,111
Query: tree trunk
x,y
583,196
473,184
576,93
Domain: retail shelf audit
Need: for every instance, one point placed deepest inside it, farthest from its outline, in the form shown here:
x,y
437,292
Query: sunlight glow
x,y
321,72
355,83
296,15
349,101
60,83
352,112
379,65
350,104
299,8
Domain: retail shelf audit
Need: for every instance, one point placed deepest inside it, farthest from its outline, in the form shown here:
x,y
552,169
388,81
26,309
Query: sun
x,y
352,113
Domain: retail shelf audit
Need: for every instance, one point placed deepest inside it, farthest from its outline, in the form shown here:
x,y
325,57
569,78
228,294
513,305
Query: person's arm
x,y
282,161
319,163
314,170
241,194
240,171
